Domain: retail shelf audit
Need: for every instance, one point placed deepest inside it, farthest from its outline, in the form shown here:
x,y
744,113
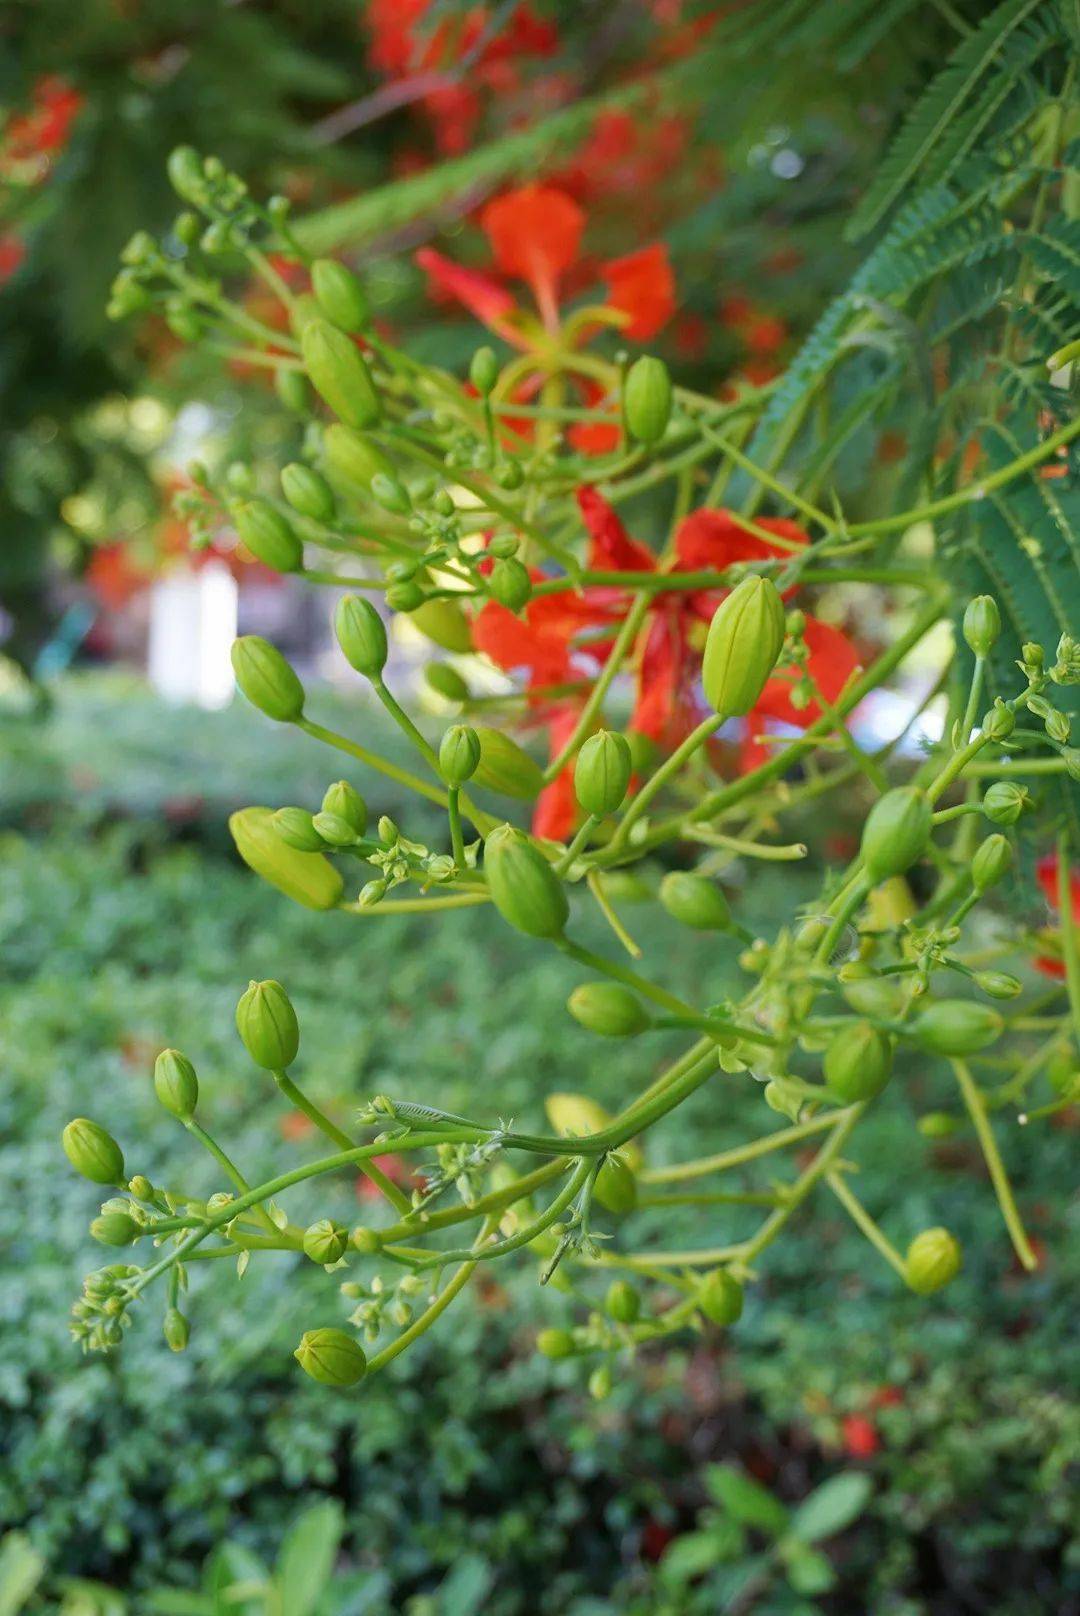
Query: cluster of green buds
x,y
410,493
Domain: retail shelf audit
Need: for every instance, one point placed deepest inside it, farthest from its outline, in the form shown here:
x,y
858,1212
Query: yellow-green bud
x,y
292,388
509,583
858,1063
1004,802
325,1242
175,1329
332,1357
307,878
602,773
998,984
523,886
444,622
982,624
505,767
266,679
744,642
185,172
366,1241
446,681
115,1229
351,458
266,1022
622,1303
346,803
176,1084
391,494
991,862
695,901
339,374
720,1297
339,294
308,492
333,830
93,1152
998,721
896,832
484,370
269,536
361,634
459,754
933,1259
555,1343
647,399
956,1027
609,1009
616,1186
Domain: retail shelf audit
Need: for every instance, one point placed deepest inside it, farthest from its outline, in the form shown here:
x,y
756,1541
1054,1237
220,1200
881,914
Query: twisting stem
x,y
976,1106
296,1097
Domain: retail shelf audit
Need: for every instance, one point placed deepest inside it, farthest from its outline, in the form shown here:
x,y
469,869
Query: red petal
x,y
556,813
535,233
611,548
642,285
716,538
831,663
1046,873
482,296
659,678
513,642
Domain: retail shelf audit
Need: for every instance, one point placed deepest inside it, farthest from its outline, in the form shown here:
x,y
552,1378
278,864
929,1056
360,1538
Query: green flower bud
x,y
695,901
744,643
175,1329
405,597
361,634
509,583
858,1063
956,1027
352,458
240,478
296,827
446,681
609,1009
325,1242
1058,726
390,494
616,1186
345,801
505,767
555,1344
879,996
339,294
998,984
896,832
308,492
339,374
141,1187
602,773
503,546
998,722
305,308
484,370
270,538
622,1303
115,1229
366,1241
982,624
459,754
933,1259
601,1382
266,679
185,173
292,389
307,878
937,1125
991,862
331,1357
176,1084
647,399
93,1152
1071,759
267,1024
720,1297
523,886
333,830
446,624
1004,802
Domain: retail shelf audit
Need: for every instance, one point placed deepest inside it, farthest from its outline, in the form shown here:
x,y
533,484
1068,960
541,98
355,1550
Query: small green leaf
x,y
831,1507
306,1561
747,1500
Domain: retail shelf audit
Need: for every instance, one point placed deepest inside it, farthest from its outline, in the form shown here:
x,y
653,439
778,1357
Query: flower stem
x,y
976,1106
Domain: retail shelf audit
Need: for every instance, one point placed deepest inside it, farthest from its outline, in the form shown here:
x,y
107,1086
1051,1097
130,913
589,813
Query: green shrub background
x,y
126,931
